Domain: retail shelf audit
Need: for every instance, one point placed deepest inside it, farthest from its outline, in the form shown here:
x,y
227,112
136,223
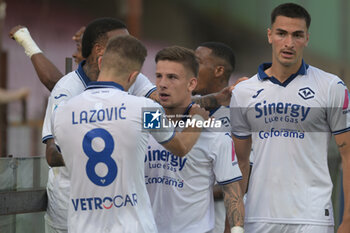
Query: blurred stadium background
x,y
158,23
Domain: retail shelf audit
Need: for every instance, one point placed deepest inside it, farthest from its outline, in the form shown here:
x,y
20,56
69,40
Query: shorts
x,y
260,227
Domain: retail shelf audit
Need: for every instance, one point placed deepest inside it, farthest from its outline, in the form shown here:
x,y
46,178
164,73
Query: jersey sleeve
x,y
239,122
226,167
142,86
57,96
338,111
154,113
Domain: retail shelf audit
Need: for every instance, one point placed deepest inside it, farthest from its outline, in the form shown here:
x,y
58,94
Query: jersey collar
x,y
81,74
263,76
100,84
187,112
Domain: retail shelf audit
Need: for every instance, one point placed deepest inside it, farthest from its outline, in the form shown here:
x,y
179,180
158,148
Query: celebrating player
x,y
181,189
216,64
103,144
289,110
94,42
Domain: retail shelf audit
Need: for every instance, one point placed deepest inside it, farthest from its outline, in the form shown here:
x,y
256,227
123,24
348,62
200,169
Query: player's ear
x,y
192,84
307,38
132,77
219,71
99,49
99,61
269,34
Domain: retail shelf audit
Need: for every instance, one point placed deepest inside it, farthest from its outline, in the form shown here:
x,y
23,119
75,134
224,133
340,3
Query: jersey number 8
x,y
96,157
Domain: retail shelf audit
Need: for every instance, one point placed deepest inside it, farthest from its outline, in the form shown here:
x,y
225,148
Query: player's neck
x,y
282,72
214,88
177,111
218,86
110,76
91,69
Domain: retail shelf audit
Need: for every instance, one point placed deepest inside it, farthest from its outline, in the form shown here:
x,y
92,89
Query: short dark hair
x,y
224,52
179,54
97,30
124,54
291,10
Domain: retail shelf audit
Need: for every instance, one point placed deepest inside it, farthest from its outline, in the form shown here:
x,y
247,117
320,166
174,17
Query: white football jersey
x,y
222,114
58,185
103,143
290,125
181,189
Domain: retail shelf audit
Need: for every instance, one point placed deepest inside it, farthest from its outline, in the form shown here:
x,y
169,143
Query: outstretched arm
x,y
213,101
45,69
183,142
343,143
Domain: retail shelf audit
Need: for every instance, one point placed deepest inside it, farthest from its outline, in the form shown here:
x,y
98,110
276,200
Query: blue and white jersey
x,y
75,83
68,86
290,125
222,114
181,189
101,137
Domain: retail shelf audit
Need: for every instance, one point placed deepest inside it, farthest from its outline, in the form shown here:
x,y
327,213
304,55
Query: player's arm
x,y
53,156
217,192
243,149
45,69
215,100
183,141
343,143
234,206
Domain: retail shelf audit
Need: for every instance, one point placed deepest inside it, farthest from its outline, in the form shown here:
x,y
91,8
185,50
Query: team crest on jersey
x,y
306,93
225,121
151,119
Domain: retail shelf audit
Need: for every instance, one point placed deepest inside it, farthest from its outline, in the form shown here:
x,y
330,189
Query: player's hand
x,y
197,110
14,30
78,35
224,96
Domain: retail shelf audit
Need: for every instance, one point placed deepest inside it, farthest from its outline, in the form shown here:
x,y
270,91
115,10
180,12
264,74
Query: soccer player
x,y
181,189
75,82
289,110
101,135
93,45
216,64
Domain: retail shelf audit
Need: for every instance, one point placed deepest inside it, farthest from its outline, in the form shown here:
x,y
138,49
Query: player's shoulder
x,y
211,142
214,138
147,101
247,87
253,80
69,81
322,75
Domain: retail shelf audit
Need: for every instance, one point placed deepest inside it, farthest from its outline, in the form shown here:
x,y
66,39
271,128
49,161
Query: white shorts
x,y
286,228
